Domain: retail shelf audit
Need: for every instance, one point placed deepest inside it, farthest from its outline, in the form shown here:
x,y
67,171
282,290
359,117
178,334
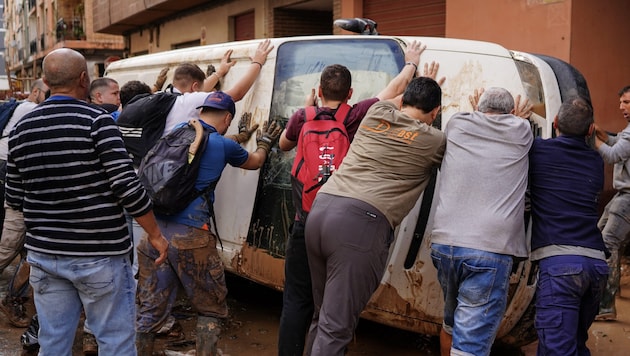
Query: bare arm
x,y
400,82
238,91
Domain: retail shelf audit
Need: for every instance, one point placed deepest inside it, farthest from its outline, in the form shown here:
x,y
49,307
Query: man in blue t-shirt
x,y
193,260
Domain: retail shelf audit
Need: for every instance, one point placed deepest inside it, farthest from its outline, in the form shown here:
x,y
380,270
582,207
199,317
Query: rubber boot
x,y
144,343
208,330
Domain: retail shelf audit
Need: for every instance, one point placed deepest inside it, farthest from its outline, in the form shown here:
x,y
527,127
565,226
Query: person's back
x,y
566,177
482,183
478,223
374,169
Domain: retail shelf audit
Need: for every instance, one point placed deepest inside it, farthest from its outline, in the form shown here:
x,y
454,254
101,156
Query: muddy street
x,y
252,329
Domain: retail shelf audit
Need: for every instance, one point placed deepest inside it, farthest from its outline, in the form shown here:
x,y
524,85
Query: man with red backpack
x,y
320,161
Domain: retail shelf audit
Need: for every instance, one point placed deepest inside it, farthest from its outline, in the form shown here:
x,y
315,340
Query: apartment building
x,y
36,27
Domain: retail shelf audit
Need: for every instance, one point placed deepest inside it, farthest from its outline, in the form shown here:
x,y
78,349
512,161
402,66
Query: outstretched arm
x,y
224,67
238,91
400,82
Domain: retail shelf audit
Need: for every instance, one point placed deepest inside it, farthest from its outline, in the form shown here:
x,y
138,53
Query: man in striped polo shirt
x,y
70,175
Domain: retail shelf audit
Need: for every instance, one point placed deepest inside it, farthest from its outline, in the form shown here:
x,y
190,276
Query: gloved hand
x,y
244,129
161,79
269,135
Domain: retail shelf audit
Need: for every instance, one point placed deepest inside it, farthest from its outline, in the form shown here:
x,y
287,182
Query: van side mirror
x,y
357,25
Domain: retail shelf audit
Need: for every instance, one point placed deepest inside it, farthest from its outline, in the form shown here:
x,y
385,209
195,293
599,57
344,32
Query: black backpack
x,y
142,122
170,168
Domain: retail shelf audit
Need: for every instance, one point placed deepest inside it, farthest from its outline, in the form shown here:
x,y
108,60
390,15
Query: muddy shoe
x,y
175,333
15,312
90,347
606,315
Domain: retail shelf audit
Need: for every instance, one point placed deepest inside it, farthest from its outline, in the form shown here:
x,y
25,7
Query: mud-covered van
x,y
254,208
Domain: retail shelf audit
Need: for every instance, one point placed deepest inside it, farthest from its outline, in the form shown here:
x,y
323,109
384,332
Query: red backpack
x,y
322,145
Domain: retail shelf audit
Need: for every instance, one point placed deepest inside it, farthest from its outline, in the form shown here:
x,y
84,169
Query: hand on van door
x,y
244,129
263,50
430,71
225,65
160,80
311,99
522,109
474,99
269,135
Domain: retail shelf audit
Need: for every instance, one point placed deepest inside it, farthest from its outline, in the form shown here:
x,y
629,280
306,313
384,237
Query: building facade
x,y
584,33
36,27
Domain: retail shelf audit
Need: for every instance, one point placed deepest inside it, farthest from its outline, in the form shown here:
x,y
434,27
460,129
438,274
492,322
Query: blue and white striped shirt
x,y
70,174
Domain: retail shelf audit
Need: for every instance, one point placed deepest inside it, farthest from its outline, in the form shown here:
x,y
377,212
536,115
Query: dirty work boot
x,y
13,309
607,311
208,330
90,346
144,343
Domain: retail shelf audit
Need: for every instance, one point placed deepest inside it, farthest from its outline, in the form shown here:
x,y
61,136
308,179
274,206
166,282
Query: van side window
x,y
533,87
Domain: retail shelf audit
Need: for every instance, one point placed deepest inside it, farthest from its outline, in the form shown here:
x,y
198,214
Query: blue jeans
x,y
615,227
475,285
567,300
103,286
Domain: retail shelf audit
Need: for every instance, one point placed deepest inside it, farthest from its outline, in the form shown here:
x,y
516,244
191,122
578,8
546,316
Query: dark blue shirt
x,y
566,177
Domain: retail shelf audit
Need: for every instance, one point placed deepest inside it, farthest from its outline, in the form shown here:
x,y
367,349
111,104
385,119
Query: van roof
x,y
242,49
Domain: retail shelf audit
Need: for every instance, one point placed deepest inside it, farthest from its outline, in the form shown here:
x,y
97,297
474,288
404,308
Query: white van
x,y
254,208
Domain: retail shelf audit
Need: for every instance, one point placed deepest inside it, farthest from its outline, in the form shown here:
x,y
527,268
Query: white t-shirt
x,y
24,108
184,109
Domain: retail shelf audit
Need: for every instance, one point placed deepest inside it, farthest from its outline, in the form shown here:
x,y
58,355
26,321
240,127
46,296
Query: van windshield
x,y
373,64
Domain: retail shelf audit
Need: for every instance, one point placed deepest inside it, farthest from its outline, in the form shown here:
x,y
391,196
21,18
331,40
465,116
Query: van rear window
x,y
373,64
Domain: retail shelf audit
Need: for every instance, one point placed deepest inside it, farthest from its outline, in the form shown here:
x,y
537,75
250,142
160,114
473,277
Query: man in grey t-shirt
x,y
479,227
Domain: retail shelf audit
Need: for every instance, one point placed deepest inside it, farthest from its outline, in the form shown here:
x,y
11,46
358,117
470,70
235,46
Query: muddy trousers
x,y
615,227
347,242
193,263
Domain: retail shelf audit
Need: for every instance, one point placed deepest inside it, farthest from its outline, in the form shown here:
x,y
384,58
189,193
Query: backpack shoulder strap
x,y
342,113
309,113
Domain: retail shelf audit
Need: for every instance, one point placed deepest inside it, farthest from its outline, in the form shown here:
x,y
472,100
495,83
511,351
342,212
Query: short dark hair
x,y
422,93
99,83
575,117
131,89
624,90
188,73
335,82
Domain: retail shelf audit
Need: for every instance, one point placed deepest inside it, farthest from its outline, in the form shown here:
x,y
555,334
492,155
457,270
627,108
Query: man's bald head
x,y
65,72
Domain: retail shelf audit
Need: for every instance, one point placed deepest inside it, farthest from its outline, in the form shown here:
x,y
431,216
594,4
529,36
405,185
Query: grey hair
x,y
496,100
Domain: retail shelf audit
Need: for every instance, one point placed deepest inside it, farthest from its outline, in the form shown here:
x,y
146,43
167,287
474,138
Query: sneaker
x,y
90,346
15,312
609,314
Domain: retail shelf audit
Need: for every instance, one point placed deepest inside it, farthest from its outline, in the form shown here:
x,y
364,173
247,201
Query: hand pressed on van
x,y
245,128
430,70
263,50
522,108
